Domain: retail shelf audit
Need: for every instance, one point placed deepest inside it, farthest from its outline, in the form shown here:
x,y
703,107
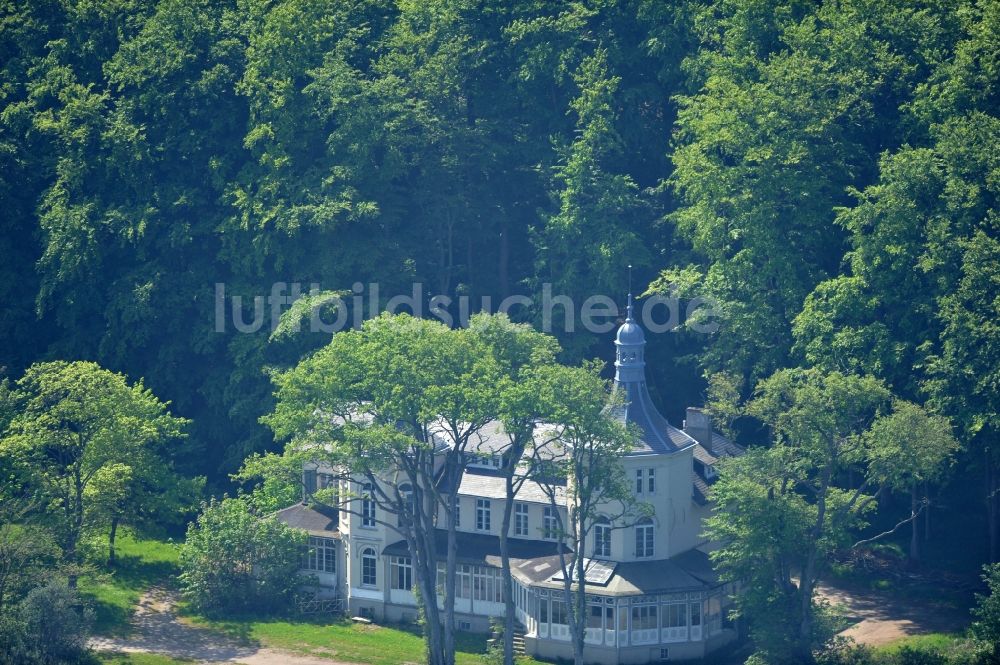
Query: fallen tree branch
x,y
913,515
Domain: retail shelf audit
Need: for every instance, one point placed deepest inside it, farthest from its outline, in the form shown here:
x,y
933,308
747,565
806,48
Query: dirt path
x,y
157,630
883,620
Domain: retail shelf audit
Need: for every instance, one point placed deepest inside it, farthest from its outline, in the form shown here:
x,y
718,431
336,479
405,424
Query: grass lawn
x,y
354,642
936,642
948,645
138,659
115,593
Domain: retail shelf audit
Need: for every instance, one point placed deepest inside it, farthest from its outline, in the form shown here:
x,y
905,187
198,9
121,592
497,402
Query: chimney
x,y
698,425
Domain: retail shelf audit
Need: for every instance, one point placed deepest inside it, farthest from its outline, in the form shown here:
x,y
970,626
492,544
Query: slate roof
x,y
657,435
702,455
315,518
490,440
721,447
537,562
484,549
699,488
689,571
487,485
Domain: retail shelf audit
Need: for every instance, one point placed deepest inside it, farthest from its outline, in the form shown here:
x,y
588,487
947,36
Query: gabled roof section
x,y
315,518
721,448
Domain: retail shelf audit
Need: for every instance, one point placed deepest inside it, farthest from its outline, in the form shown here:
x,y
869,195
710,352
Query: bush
x,y
235,562
847,653
910,656
986,628
49,626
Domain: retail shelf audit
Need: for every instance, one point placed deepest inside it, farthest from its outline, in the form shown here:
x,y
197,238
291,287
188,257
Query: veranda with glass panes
x,y
624,621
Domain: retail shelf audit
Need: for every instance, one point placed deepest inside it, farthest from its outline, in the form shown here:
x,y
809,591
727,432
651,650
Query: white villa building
x,y
654,596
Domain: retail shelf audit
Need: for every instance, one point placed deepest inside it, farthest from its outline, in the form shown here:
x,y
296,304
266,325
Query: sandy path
x,y
882,620
157,630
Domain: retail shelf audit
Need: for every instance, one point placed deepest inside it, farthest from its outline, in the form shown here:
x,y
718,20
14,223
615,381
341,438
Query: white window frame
x,y
674,633
639,484
647,612
483,518
550,523
651,481
321,555
401,566
602,539
520,519
694,619
367,507
369,556
645,539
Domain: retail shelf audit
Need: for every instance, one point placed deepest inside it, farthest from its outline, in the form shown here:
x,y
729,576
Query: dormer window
x,y
710,472
484,461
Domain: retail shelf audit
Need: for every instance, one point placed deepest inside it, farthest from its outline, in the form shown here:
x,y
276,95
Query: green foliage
x,y
986,627
789,508
49,627
596,232
356,643
87,439
27,557
824,171
235,561
114,594
277,480
909,446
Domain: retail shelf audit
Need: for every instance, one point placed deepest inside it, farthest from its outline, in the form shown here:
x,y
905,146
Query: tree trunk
x,y
76,528
806,591
808,580
914,526
432,627
506,579
927,513
424,550
578,613
450,574
112,559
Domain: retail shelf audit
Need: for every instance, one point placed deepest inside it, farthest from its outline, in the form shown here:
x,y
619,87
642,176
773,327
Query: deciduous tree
x,y
76,422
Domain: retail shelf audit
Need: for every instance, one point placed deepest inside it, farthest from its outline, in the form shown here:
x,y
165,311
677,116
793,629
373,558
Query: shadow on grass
x,y
238,629
114,592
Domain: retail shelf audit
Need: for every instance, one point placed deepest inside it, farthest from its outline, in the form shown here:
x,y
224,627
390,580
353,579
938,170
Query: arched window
x,y
369,567
602,537
644,537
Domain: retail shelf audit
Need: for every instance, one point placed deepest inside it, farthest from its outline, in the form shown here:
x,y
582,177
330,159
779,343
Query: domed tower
x,y
658,436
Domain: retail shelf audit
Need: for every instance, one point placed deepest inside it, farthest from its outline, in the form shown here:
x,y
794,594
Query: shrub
x,y
910,656
49,626
986,628
236,562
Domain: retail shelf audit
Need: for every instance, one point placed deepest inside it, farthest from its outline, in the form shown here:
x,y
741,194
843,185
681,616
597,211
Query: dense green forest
x,y
826,172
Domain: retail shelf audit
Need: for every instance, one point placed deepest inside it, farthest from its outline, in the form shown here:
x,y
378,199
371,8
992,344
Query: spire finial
x,y
629,308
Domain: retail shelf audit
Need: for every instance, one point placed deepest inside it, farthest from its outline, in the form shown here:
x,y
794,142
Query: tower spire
x,y
628,308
